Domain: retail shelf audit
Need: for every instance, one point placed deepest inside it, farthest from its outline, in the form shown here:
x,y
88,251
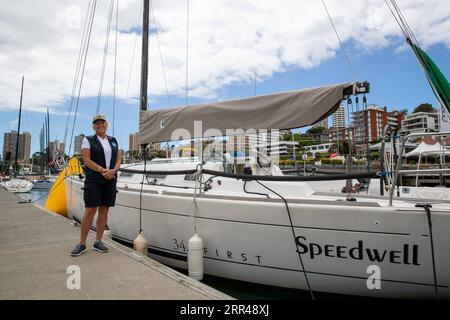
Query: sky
x,y
286,44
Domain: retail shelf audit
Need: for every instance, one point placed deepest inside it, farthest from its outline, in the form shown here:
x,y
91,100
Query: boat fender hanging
x,y
195,257
140,243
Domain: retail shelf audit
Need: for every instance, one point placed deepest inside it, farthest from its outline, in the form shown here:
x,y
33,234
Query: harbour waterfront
x,y
35,263
204,180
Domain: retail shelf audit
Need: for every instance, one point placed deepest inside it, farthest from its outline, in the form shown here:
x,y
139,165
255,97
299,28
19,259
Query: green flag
x,y
438,81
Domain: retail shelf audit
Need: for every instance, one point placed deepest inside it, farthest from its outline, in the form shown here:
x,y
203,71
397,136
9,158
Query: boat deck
x,y
34,260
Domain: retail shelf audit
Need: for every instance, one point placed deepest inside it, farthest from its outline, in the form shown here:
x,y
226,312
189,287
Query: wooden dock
x,y
35,263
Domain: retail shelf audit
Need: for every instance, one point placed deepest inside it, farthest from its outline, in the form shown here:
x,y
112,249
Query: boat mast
x,y
48,141
144,60
18,128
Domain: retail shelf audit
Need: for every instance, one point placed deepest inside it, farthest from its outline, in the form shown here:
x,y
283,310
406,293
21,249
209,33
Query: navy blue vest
x,y
98,156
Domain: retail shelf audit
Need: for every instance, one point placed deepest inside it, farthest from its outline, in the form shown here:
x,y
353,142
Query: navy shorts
x,y
100,194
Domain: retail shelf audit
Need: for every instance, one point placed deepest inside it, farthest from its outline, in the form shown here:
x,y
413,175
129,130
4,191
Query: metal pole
x,y
48,140
18,127
382,165
45,151
144,61
391,191
293,151
144,58
395,158
367,131
337,138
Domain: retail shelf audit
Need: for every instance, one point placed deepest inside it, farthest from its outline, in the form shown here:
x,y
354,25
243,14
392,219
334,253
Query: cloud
x,y
230,41
13,124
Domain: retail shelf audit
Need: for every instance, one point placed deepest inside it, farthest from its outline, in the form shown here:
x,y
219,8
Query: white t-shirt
x,y
106,148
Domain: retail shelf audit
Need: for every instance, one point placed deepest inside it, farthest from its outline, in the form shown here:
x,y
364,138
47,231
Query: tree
x,y
344,148
423,107
307,142
133,154
315,130
404,111
287,136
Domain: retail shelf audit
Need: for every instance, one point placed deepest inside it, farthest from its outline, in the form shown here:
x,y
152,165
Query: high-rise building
x,y
56,148
420,122
395,119
339,117
77,143
322,123
339,135
24,147
369,124
133,142
41,140
9,146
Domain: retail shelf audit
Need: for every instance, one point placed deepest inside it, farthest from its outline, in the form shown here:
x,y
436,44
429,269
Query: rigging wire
x,y
160,54
404,22
340,43
133,55
105,54
77,69
396,19
187,54
293,233
404,27
410,35
412,40
115,68
131,66
91,21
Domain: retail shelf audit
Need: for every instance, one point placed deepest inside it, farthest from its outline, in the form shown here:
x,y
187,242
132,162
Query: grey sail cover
x,y
287,110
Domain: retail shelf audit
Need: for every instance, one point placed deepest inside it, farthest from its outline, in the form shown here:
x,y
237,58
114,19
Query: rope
x,y
53,188
91,21
427,207
198,185
363,175
140,193
406,30
340,43
293,233
105,54
404,22
77,69
251,192
396,19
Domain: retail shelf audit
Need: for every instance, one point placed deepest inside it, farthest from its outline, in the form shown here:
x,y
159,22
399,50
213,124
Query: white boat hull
x,y
43,185
252,240
17,185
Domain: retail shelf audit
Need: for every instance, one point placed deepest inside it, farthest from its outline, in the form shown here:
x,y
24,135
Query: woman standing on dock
x,y
102,157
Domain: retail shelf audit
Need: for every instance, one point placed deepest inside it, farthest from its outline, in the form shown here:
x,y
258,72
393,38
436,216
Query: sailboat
x,y
17,184
267,229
